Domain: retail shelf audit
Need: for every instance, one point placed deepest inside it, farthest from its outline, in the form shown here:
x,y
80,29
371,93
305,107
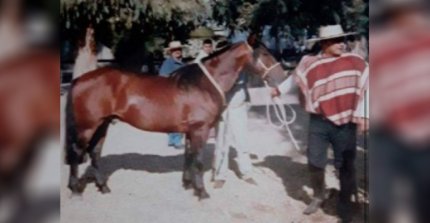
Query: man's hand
x,y
363,125
275,92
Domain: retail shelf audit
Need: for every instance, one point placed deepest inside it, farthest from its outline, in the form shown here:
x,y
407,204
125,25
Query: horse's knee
x,y
95,157
187,179
187,174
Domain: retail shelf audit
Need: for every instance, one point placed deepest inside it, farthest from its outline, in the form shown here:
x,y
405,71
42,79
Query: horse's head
x,y
225,64
264,64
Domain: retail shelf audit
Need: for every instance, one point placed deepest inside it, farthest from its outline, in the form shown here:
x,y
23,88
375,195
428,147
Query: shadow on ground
x,y
147,162
153,163
294,177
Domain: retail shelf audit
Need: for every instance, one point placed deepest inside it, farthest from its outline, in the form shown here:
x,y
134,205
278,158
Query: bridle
x,y
267,69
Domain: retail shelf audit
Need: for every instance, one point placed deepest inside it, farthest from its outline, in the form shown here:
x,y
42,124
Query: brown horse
x,y
29,110
193,97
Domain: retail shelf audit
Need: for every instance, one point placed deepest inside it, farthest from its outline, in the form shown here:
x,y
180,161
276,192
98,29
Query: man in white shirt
x,y
232,131
206,50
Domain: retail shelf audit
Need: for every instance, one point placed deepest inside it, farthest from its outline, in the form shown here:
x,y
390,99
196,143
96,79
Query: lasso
x,y
281,115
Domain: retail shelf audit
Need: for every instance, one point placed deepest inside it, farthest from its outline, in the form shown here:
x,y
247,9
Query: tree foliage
x,y
296,14
146,20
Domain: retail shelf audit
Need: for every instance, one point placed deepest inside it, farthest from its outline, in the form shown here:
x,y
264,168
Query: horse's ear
x,y
252,40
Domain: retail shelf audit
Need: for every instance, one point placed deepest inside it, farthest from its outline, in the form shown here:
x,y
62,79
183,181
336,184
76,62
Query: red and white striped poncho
x,y
333,86
400,66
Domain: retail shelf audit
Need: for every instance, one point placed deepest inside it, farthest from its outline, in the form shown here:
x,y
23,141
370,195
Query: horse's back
x,y
105,92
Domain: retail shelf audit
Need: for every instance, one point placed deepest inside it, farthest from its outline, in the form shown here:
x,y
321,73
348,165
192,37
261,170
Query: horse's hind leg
x,y
75,185
75,156
95,148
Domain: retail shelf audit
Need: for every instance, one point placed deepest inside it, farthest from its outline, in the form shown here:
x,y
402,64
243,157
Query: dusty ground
x,y
145,179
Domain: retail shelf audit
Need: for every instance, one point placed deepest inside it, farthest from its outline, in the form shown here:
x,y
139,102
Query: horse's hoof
x,y
202,194
75,192
77,188
187,185
104,189
81,188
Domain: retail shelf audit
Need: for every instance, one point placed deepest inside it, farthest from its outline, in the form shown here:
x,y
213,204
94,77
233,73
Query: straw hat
x,y
174,45
330,32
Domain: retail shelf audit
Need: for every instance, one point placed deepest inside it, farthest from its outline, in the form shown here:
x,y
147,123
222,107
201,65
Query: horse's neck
x,y
226,72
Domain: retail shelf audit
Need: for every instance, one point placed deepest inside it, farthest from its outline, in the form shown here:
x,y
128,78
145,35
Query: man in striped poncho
x,y
334,85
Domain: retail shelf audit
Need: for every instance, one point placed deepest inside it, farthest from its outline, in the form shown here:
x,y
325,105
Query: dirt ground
x,y
145,179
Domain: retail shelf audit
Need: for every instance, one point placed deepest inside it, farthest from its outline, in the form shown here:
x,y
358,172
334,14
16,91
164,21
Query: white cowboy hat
x,y
330,32
174,45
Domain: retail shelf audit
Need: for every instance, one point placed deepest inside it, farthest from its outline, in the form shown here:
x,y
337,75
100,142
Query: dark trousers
x,y
392,160
322,133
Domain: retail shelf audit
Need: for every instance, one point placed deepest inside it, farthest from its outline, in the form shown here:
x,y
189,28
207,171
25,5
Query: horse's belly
x,y
169,111
153,118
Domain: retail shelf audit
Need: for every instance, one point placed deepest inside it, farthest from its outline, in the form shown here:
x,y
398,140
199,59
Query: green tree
x,y
149,20
296,14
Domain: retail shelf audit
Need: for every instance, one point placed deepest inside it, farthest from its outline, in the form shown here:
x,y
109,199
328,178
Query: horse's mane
x,y
221,51
189,75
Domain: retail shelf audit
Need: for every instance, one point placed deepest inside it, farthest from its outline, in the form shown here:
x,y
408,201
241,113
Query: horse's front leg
x,y
198,140
187,176
100,179
75,156
200,189
95,148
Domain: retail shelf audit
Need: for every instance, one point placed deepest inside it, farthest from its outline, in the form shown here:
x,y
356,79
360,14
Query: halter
x,y
267,69
212,80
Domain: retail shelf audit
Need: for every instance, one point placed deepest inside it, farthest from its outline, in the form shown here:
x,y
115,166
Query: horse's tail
x,y
74,154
